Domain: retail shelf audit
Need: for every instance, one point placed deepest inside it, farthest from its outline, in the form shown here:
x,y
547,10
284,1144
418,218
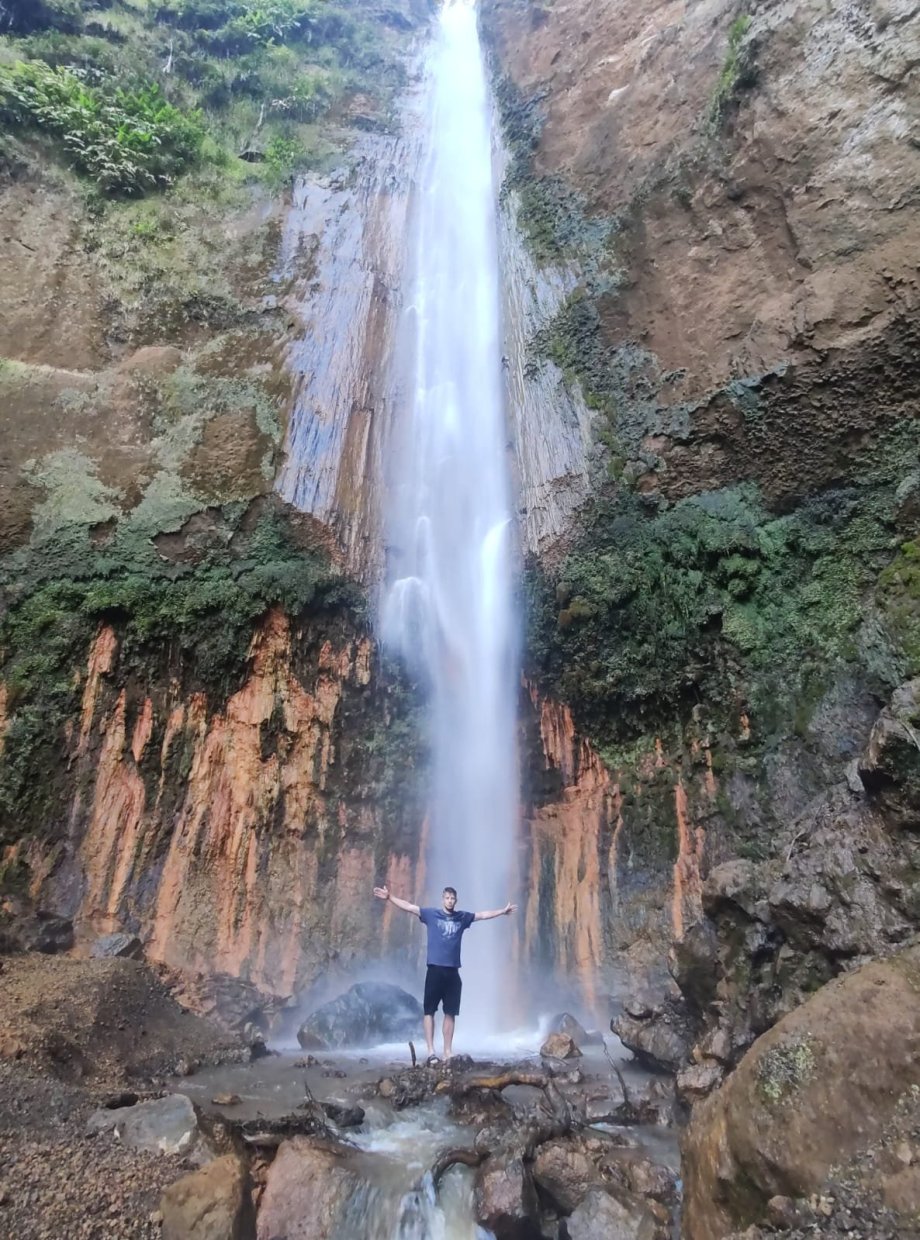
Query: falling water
x,y
449,603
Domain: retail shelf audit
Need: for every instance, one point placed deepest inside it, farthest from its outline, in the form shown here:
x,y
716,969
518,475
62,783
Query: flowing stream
x,y
448,606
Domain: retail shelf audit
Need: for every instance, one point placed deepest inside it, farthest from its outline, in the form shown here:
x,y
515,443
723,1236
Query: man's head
x,y
449,899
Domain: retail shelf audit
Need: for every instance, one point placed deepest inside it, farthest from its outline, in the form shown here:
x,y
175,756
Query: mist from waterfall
x,y
448,606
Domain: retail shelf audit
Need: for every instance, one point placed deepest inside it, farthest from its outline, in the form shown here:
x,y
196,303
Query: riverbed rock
x,y
560,1046
308,1189
368,1013
344,1114
164,1126
601,1216
212,1203
117,946
810,1094
505,1198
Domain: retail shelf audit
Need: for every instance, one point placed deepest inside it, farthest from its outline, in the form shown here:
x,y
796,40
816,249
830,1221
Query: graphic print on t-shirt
x,y
445,930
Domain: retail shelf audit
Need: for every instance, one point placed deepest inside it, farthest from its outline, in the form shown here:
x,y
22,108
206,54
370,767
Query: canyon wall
x,y
201,742
719,203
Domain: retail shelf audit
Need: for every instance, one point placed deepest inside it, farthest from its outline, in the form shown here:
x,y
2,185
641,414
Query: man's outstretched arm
x,y
383,893
495,912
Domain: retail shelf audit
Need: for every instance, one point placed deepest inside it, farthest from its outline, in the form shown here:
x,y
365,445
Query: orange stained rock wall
x,y
571,839
223,834
590,887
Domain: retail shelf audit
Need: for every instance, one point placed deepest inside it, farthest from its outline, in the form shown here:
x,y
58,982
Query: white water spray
x,y
449,603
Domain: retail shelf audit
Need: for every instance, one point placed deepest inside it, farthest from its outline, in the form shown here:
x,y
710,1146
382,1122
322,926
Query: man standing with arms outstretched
x,y
446,927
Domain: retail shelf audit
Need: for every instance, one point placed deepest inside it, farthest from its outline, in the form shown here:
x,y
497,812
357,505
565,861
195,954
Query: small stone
x,y
386,1088
903,1153
560,1046
782,1212
226,1100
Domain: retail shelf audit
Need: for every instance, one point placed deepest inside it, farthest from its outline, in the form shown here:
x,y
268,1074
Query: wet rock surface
x,y
368,1013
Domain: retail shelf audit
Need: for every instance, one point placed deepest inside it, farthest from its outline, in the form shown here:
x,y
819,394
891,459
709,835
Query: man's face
x,y
449,900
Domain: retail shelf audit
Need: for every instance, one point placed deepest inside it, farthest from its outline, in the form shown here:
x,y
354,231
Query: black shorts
x,y
442,983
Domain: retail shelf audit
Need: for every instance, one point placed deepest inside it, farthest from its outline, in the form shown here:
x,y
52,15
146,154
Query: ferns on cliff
x,y
127,141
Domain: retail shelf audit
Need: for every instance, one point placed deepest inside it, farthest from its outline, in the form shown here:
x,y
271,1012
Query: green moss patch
x,y
784,1068
714,599
194,615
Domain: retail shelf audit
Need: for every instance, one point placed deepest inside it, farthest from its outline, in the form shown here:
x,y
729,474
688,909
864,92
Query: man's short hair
x,y
452,890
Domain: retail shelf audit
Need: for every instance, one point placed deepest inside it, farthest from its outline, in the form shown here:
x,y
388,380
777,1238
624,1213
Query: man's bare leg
x,y
428,1025
448,1032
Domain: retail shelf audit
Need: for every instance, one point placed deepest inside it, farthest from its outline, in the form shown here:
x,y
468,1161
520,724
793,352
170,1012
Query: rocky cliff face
x,y
739,304
200,740
238,837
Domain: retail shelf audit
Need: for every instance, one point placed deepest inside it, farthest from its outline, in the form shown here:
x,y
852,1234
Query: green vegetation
x,y
899,597
785,1067
133,93
737,70
126,141
713,599
552,215
194,616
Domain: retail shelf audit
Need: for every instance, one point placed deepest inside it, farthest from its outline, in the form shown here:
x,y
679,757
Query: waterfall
x,y
448,605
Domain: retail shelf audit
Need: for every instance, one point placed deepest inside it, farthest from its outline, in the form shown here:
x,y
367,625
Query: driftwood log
x,y
501,1080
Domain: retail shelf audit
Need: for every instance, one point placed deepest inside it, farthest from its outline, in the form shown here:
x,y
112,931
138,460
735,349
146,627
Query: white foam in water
x,y
448,606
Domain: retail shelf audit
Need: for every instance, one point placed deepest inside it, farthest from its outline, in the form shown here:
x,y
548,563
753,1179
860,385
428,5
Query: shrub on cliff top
x,y
127,141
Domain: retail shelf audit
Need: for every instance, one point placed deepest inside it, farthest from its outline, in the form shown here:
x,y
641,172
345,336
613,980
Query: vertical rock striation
x,y
239,837
344,256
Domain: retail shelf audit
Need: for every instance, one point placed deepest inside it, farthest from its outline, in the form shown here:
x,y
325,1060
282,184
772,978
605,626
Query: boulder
x,y
601,1216
344,1114
368,1013
165,1126
560,1046
565,1171
566,1023
812,1093
47,933
210,1204
310,1186
119,946
506,1200
661,1041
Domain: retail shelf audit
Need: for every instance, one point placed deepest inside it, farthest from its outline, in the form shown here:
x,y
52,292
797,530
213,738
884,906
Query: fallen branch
x,y
536,1080
627,1101
450,1158
499,1081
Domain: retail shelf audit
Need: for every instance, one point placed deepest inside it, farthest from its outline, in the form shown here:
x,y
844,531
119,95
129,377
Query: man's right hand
x,y
382,893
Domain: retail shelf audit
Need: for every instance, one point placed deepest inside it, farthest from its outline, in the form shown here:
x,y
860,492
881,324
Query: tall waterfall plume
x,y
449,602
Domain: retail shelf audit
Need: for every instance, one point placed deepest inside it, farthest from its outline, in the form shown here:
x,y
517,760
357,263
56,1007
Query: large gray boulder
x,y
602,1217
365,1015
165,1126
118,946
